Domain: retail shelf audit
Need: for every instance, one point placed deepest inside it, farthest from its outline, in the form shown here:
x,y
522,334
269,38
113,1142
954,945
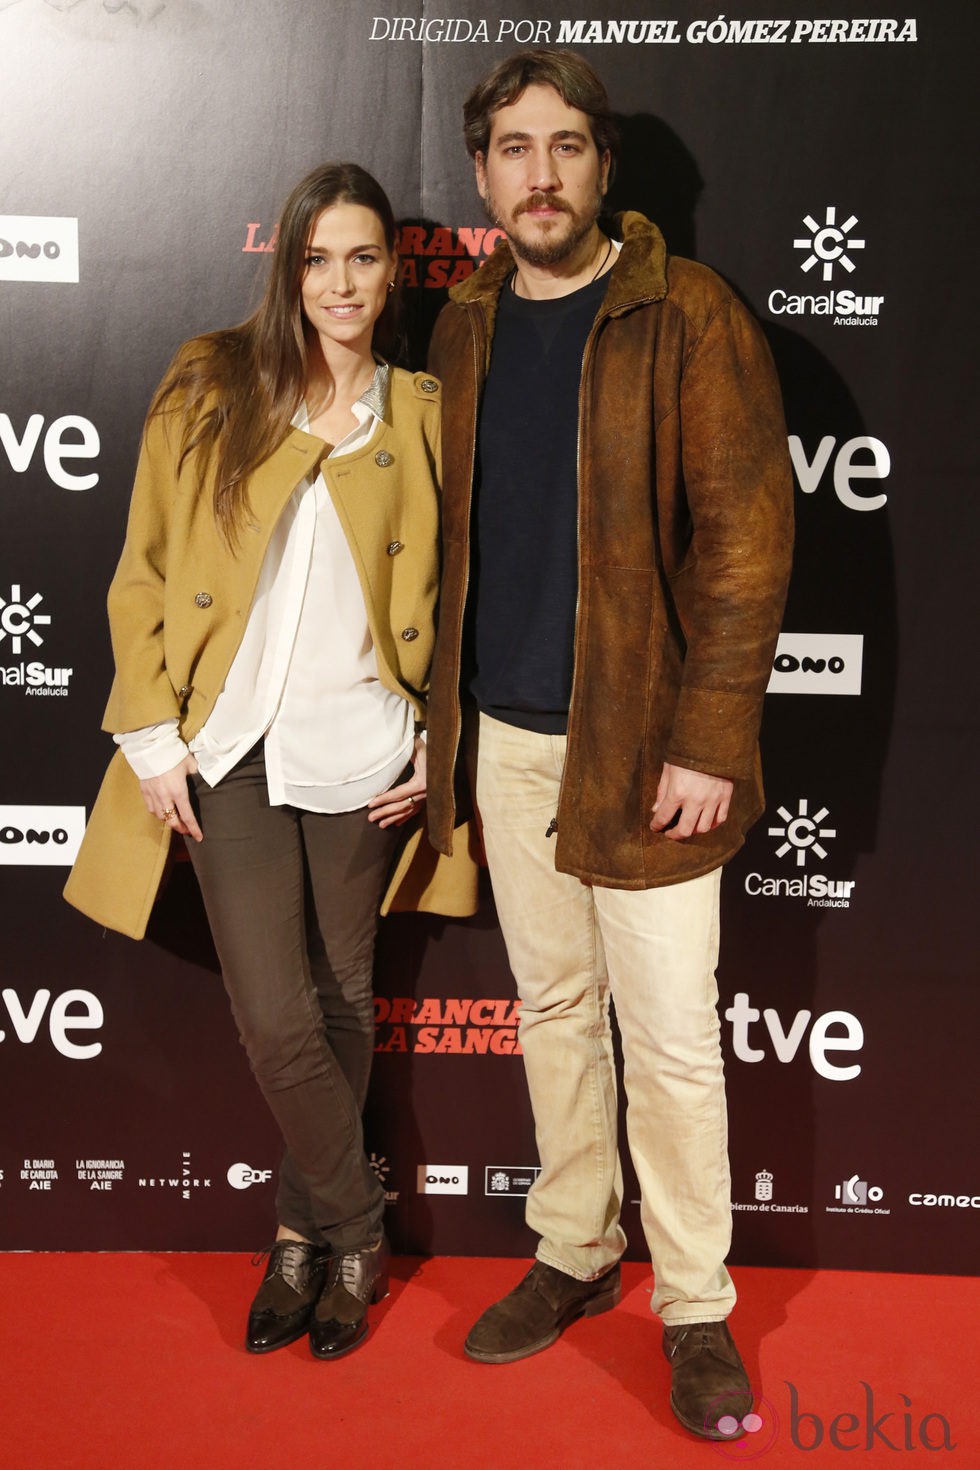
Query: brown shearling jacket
x,y
684,545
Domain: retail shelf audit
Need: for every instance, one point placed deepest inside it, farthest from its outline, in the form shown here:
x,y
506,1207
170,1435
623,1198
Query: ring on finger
x,y
170,812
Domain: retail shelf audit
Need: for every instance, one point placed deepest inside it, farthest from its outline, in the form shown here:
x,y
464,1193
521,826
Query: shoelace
x,y
292,1260
685,1332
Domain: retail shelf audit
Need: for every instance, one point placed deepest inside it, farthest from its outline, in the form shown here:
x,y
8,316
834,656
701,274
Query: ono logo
x,y
40,836
817,663
443,1178
831,1032
240,1176
66,438
38,248
73,1010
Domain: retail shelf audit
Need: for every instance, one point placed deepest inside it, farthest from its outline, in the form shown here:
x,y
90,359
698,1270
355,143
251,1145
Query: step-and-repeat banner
x,y
817,157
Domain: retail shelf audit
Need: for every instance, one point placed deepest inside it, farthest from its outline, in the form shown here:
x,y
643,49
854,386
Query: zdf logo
x,y
240,1176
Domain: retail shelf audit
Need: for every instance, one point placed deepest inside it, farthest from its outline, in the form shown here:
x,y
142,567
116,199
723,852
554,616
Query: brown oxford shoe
x,y
708,1382
284,1303
537,1311
354,1282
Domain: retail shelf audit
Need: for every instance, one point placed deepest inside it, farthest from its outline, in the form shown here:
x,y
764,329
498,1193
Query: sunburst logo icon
x,y
829,243
19,620
802,832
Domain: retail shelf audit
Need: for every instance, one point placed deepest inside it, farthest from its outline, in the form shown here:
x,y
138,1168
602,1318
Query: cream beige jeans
x,y
654,951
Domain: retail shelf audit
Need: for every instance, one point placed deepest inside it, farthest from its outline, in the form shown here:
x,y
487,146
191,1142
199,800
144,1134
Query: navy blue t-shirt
x,y
524,583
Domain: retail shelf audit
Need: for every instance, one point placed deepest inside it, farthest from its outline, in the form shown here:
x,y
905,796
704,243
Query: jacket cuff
x,y
733,721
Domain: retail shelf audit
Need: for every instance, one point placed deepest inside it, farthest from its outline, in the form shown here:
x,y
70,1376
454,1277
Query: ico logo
x,y
241,1176
855,1191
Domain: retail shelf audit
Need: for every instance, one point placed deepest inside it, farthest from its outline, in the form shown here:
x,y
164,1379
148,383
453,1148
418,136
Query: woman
x,y
272,625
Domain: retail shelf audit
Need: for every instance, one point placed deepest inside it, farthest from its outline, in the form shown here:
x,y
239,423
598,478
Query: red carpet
x,y
134,1362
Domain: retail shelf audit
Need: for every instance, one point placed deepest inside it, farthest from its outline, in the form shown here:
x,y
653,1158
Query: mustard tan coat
x,y
179,603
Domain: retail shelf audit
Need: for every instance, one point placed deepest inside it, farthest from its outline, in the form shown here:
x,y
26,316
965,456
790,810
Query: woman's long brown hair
x,y
236,390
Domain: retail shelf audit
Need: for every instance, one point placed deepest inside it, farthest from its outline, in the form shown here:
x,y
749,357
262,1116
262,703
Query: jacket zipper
x,y
586,371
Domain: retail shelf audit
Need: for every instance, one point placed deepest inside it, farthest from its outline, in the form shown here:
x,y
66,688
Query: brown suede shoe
x,y
708,1381
536,1313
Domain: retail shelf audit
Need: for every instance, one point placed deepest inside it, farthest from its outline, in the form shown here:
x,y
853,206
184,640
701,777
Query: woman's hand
x,y
168,799
398,803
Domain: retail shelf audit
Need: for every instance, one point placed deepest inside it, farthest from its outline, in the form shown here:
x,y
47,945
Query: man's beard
x,y
546,252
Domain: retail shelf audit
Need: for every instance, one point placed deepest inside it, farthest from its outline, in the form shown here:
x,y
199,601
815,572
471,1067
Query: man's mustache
x,y
543,201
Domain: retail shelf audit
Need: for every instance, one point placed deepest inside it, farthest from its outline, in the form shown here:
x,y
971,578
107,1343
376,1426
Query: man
x,y
617,528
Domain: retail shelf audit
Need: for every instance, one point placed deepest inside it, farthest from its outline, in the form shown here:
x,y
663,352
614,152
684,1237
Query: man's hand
x,y
699,802
168,800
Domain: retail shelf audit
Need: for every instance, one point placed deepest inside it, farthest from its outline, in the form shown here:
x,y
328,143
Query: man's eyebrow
x,y
515,136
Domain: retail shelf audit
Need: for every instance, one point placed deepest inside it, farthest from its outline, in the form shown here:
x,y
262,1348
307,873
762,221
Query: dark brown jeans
x,y
292,899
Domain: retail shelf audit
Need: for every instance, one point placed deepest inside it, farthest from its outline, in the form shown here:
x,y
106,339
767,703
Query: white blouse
x,y
305,675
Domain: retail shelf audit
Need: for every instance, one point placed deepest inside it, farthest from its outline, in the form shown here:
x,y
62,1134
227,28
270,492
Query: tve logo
x,y
443,1179
66,438
817,663
861,458
73,1010
40,836
37,247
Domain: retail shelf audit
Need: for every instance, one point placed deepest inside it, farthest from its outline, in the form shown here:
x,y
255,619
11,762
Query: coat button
x,y
183,691
384,459
410,634
429,385
394,547
203,599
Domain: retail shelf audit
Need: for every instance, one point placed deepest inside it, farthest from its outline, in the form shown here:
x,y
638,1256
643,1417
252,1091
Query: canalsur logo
x,y
802,832
801,837
828,251
380,1167
827,244
20,620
